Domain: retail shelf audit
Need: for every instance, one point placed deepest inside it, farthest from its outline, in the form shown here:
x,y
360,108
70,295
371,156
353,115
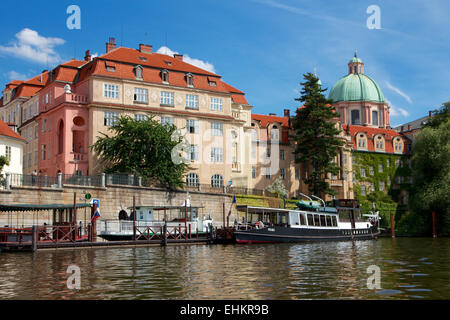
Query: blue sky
x,y
262,47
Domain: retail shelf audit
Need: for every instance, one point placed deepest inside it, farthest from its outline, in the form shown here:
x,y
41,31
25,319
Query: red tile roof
x,y
388,134
5,130
265,120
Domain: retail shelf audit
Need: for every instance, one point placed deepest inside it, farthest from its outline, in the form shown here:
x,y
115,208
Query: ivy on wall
x,y
393,166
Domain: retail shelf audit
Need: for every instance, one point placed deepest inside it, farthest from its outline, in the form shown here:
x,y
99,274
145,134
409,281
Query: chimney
x,y
401,130
430,114
287,113
87,56
178,57
144,48
110,45
272,114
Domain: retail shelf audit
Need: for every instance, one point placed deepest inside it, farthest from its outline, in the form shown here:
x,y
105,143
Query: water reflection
x,y
325,270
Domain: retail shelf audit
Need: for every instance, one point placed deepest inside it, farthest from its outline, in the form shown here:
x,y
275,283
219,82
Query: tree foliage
x,y
316,134
142,148
278,188
439,116
3,162
431,174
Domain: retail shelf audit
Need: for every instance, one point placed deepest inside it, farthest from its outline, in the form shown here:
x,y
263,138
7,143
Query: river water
x,y
410,268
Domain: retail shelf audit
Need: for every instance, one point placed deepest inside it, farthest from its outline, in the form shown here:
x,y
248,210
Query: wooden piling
x,y
34,238
392,225
185,219
433,216
74,216
134,218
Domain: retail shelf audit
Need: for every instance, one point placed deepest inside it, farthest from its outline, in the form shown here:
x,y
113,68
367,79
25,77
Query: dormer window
x,y
138,72
143,58
110,67
362,141
165,76
190,80
212,82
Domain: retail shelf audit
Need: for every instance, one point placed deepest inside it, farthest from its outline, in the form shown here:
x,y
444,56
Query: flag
x,y
96,215
232,202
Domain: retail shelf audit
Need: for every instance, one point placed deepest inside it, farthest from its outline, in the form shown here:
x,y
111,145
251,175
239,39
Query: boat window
x,y
302,219
329,221
294,220
310,220
316,220
334,221
322,221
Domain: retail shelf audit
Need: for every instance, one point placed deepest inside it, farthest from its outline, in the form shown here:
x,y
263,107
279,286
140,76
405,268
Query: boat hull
x,y
286,234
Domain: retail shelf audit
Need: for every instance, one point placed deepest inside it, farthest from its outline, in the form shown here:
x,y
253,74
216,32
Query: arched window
x,y
138,72
375,118
361,140
61,137
379,143
190,79
216,181
165,75
192,180
355,117
398,145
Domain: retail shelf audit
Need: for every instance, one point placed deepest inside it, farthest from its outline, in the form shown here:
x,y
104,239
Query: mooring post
x,y
165,233
190,231
223,209
185,219
433,216
134,218
34,238
94,224
392,225
74,217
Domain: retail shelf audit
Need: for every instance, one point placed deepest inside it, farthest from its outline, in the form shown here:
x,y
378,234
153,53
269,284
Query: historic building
x,y
11,146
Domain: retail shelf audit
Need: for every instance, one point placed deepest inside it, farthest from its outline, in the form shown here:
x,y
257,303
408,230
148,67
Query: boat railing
x,y
126,226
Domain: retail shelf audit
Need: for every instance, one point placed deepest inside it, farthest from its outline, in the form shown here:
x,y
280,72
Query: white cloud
x,y
186,58
32,46
13,75
395,112
398,91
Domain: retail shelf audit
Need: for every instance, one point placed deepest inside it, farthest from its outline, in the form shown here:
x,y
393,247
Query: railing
x,y
22,180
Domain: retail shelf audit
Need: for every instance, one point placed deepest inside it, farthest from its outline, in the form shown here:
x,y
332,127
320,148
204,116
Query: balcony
x,y
236,167
67,98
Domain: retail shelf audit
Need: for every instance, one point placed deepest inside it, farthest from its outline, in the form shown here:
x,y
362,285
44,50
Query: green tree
x,y
3,162
316,134
439,116
431,176
142,148
278,188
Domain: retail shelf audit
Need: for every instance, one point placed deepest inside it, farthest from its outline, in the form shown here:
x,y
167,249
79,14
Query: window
x,y
8,153
166,120
371,170
282,154
397,163
216,129
316,220
253,172
302,219
297,174
310,220
44,124
253,151
381,185
29,159
216,154
138,72
36,111
328,221
267,152
194,153
388,163
216,181
192,180
190,80
167,98
43,152
191,101
36,130
111,91
334,221
322,221
355,117
165,76
375,118
362,141
372,187
192,126
274,134
140,117
380,167
35,157
363,172
140,95
363,190
110,118
216,104
283,173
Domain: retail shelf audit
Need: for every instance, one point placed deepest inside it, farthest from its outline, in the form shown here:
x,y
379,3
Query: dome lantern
x,y
355,66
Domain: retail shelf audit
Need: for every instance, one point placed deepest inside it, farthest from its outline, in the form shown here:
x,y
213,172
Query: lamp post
x,y
75,160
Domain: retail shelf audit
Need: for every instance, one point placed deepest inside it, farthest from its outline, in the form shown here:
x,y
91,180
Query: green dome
x,y
355,59
356,87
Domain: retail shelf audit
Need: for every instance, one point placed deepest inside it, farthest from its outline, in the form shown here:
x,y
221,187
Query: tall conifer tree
x,y
316,133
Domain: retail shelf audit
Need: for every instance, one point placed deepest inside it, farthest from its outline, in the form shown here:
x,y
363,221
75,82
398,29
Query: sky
x,y
262,47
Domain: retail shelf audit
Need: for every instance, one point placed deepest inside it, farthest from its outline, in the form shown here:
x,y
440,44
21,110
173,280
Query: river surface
x,y
410,268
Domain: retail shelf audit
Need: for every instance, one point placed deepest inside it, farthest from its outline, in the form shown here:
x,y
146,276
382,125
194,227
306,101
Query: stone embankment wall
x,y
112,200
